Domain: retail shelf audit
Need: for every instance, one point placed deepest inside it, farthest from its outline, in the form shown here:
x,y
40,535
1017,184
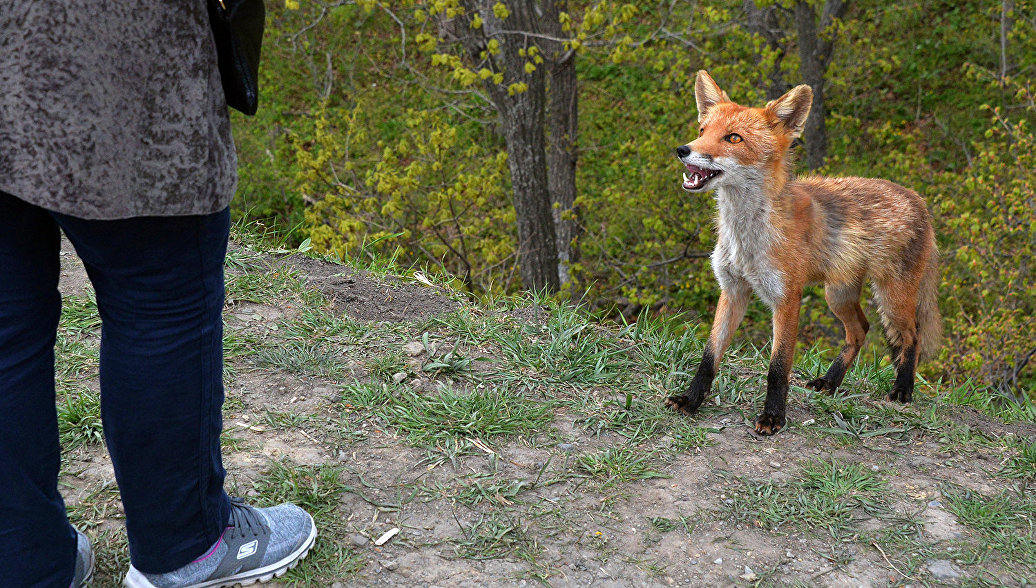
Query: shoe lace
x,y
244,520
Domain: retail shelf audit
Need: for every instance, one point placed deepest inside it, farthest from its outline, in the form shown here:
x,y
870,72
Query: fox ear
x,y
792,109
707,93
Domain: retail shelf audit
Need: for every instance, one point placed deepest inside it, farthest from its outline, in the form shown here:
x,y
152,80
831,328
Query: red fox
x,y
777,233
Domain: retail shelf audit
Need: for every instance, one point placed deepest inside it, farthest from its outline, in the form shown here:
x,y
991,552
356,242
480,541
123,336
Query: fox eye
x,y
701,131
733,138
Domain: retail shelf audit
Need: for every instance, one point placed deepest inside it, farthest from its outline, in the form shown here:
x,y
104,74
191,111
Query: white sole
x,y
135,579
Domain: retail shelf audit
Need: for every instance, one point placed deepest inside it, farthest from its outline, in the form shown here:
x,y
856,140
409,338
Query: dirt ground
x,y
526,509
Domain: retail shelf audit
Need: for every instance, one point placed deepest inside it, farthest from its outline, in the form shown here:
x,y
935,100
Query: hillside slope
x,y
524,444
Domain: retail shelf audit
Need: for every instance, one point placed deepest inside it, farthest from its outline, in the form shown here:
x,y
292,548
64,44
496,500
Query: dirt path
x,y
523,446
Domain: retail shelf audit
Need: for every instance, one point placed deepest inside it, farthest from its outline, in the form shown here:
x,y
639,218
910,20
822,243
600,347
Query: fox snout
x,y
683,151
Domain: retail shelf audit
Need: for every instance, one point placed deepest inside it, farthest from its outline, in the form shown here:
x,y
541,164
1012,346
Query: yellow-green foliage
x,y
988,286
423,197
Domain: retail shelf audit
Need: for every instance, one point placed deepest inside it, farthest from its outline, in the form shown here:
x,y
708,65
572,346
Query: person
x,y
114,129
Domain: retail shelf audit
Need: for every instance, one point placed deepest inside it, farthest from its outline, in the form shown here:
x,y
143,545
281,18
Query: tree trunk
x,y
815,53
764,22
522,115
563,128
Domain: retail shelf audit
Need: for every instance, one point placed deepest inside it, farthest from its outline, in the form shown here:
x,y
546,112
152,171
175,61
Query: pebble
x,y
718,561
775,464
389,565
414,348
566,446
359,540
942,569
398,377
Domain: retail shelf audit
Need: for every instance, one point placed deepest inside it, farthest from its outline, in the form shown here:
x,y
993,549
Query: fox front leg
x,y
785,335
729,312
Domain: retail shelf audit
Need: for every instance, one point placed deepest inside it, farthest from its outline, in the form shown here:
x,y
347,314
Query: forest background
x,y
509,145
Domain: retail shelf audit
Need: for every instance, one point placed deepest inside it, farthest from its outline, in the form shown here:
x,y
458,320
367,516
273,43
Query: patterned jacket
x,y
112,109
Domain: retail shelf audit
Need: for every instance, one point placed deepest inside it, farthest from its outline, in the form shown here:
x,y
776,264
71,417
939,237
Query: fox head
x,y
736,144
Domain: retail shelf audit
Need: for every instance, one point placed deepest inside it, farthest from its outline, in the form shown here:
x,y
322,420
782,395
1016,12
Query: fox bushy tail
x,y
929,321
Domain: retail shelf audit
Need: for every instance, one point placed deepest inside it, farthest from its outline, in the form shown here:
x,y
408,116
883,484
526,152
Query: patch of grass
x,y
79,314
688,437
825,494
620,464
318,323
665,524
286,420
329,561
449,415
94,508
1023,463
480,488
314,488
1006,523
260,287
469,325
301,356
992,402
496,536
76,354
450,363
566,349
667,349
368,394
79,419
385,366
640,419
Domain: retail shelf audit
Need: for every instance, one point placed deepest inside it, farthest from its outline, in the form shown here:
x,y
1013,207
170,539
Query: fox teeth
x,y
685,178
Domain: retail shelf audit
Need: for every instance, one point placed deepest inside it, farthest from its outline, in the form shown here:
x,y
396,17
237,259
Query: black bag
x,y
237,26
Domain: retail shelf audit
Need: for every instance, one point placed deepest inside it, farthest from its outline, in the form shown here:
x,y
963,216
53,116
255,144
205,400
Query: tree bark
x,y
563,128
815,52
522,115
764,22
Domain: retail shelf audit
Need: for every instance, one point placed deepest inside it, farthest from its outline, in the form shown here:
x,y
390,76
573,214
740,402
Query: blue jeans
x,y
159,285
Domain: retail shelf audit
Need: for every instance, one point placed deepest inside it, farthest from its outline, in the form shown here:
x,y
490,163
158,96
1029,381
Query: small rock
x,y
942,569
566,446
414,348
775,464
389,565
718,561
749,575
359,540
398,377
875,468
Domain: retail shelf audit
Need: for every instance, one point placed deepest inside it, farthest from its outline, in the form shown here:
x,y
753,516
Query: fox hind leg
x,y
844,301
898,305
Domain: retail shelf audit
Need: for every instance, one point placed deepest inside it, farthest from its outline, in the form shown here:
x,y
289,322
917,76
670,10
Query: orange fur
x,y
778,233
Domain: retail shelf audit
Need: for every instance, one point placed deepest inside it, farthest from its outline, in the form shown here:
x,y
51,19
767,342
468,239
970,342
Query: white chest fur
x,y
742,255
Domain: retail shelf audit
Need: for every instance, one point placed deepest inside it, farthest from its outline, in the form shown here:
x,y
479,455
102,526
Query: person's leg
x,y
38,544
159,284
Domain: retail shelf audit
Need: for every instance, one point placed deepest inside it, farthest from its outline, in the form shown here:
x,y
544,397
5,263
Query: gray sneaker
x,y
258,545
84,571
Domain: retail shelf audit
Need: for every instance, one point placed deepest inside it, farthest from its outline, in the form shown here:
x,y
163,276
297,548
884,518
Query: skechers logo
x,y
248,549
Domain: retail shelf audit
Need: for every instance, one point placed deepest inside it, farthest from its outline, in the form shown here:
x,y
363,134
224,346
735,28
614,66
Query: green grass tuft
x,y
79,419
620,464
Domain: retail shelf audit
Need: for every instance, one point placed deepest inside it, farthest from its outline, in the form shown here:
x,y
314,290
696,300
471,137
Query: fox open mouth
x,y
696,177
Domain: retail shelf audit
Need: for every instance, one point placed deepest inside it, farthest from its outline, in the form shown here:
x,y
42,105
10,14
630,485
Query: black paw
x,y
684,403
768,424
904,395
820,385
